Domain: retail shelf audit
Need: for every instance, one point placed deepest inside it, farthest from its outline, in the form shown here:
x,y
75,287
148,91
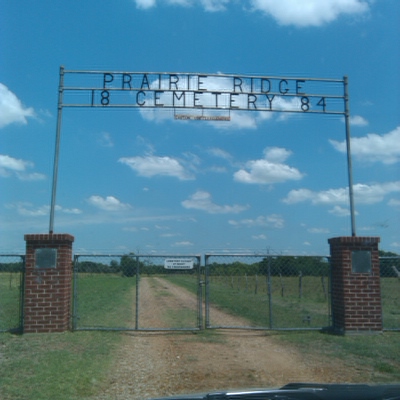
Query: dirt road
x,y
161,363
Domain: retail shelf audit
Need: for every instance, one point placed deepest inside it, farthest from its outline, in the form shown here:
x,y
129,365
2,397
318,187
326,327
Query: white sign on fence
x,y
178,263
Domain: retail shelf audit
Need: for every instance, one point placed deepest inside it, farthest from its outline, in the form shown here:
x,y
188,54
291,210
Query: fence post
x,y
48,278
270,294
75,295
355,287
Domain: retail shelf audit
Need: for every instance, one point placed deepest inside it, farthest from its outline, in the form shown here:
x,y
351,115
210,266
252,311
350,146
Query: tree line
x,y
128,265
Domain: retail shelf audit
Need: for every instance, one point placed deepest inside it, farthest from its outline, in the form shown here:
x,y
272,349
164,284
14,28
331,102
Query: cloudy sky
x,y
140,180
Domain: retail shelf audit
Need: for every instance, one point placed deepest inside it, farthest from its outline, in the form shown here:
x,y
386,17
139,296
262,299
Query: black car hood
x,y
303,391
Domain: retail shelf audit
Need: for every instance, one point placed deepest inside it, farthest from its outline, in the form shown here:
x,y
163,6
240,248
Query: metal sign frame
x,y
199,93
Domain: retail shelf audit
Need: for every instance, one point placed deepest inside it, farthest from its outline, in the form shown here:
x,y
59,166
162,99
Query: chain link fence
x,y
157,292
390,292
11,292
267,292
130,292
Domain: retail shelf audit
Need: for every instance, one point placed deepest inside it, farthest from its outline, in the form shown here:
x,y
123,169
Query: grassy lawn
x,y
69,365
248,297
380,354
54,366
74,366
9,300
390,291
105,300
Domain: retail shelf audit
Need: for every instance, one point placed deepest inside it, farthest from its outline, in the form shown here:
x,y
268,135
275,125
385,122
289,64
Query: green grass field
x,y
390,292
66,366
69,365
74,366
10,300
105,300
292,306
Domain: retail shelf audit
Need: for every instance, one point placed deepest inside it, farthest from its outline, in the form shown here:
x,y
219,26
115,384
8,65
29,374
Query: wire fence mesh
x,y
129,292
267,292
11,292
390,292
158,292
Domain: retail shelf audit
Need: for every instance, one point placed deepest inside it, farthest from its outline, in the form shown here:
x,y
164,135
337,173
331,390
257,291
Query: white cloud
x,y
28,210
105,140
340,211
75,211
220,153
144,4
109,203
238,119
157,115
10,166
182,244
363,194
394,203
161,227
309,12
276,154
273,220
285,12
130,229
11,108
149,166
373,147
318,230
259,237
214,5
168,235
13,164
201,200
209,5
268,170
34,176
358,120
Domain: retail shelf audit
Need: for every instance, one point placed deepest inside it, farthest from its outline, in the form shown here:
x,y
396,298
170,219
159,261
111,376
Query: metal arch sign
x,y
185,93
219,92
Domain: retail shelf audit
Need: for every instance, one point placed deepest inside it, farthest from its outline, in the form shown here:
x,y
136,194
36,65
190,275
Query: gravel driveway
x,y
150,364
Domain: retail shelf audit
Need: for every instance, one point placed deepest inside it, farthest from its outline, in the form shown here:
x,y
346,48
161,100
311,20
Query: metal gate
x,y
12,267
243,291
267,292
135,292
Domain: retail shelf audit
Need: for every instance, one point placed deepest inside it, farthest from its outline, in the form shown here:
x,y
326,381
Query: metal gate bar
x,y
267,292
108,291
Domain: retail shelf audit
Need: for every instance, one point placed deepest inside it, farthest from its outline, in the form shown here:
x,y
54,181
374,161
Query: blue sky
x,y
131,180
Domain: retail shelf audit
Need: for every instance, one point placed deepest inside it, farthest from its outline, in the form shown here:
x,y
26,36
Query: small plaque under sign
x,y
361,262
178,263
45,258
202,117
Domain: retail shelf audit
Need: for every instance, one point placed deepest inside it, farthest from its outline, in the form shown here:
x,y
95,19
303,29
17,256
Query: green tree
x,y
128,265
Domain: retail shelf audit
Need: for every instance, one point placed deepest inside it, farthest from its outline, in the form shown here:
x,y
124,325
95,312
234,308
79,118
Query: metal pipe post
x,y
269,293
57,150
349,164
137,293
75,294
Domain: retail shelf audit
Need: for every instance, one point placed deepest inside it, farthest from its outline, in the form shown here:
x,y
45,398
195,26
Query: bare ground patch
x,y
150,364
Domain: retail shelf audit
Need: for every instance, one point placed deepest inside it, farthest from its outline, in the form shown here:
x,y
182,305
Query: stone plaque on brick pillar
x,y
48,278
355,285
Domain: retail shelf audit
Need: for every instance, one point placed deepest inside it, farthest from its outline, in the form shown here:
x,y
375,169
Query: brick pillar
x,y
48,278
355,285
